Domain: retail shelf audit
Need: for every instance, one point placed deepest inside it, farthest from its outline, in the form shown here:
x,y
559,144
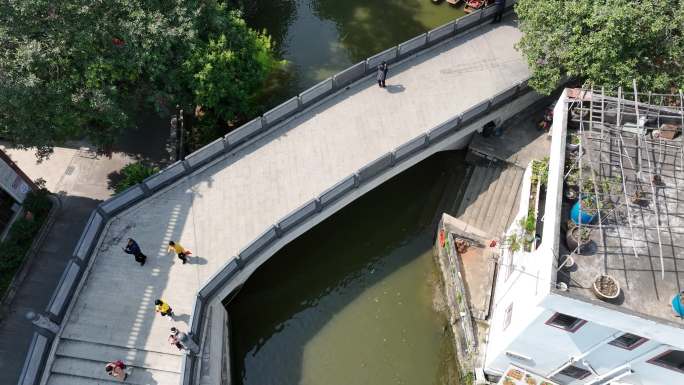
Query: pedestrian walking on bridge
x,y
133,248
382,73
163,308
180,250
500,5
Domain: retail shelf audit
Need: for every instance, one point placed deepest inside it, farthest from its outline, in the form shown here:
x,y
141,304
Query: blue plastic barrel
x,y
576,213
677,305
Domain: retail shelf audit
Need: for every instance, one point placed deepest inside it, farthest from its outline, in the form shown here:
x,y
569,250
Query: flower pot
x,y
571,147
579,215
571,193
606,287
573,241
678,305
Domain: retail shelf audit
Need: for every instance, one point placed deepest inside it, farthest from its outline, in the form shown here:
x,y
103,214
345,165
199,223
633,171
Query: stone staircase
x,y
82,363
491,199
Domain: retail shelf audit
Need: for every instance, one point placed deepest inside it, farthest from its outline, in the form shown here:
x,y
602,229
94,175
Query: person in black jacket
x,y
382,74
499,4
133,248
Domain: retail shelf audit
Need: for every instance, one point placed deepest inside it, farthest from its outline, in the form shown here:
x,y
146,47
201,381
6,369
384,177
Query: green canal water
x,y
356,300
318,38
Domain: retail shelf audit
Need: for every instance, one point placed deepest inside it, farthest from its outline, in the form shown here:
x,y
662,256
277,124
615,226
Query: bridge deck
x,y
221,208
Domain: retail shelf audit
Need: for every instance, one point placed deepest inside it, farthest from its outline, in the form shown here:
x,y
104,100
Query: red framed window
x,y
507,316
628,341
671,359
566,322
575,372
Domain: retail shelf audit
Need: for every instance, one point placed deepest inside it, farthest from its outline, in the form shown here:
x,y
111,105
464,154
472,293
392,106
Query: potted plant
x,y
638,198
584,210
571,190
572,142
577,238
513,243
606,287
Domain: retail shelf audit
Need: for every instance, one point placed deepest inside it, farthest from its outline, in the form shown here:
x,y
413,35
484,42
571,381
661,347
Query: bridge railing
x,y
74,273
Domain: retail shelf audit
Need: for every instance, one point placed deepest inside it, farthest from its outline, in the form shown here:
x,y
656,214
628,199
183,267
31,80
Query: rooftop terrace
x,y
625,161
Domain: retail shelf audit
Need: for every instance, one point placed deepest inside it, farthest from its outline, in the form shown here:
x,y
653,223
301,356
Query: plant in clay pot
x,y
606,287
572,142
577,238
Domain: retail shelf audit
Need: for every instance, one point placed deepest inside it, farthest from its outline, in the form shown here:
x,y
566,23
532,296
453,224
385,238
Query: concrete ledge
x,y
376,166
489,11
205,153
300,214
218,279
244,132
165,176
387,55
35,360
196,314
89,236
122,199
67,285
410,147
316,92
351,74
413,44
282,111
468,21
336,191
187,363
475,110
441,32
444,129
504,96
258,244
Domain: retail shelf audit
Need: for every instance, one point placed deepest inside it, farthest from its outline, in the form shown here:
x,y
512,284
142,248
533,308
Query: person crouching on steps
x,y
178,249
163,308
117,369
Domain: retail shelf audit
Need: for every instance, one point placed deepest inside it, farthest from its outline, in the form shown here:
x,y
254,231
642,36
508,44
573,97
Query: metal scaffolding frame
x,y
631,174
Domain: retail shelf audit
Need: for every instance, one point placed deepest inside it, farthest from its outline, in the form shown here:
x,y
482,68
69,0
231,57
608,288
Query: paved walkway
x,y
220,209
80,179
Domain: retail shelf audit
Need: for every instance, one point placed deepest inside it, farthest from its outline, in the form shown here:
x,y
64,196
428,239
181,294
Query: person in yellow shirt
x,y
178,249
163,308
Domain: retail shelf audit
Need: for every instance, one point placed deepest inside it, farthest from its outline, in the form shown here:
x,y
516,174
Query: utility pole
x,y
181,155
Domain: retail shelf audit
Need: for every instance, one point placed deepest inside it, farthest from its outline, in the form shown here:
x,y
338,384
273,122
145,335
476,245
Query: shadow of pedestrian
x,y
197,260
395,88
182,318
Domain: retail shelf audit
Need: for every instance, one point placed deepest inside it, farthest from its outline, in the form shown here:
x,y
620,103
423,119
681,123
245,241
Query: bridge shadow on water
x,y
310,281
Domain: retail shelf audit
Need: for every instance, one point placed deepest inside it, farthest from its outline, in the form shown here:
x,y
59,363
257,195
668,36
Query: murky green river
x,y
321,37
356,300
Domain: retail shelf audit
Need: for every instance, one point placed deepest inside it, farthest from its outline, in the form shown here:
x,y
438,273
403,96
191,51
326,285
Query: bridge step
x,y
106,353
76,371
491,197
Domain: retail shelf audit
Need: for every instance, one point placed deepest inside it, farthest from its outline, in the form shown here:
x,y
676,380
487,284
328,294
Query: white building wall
x,y
533,273
544,349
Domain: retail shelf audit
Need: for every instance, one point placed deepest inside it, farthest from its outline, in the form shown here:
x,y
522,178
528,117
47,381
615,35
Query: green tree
x,y
75,69
226,71
607,43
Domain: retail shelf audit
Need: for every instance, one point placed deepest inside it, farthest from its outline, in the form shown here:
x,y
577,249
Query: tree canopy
x,y
75,69
605,42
